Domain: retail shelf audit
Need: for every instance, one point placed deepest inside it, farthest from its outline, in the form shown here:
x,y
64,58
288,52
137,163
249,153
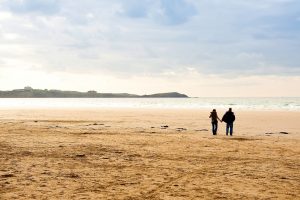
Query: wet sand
x,y
147,154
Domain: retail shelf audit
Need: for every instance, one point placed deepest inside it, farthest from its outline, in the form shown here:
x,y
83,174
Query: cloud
x,y
176,12
47,7
136,8
166,12
140,37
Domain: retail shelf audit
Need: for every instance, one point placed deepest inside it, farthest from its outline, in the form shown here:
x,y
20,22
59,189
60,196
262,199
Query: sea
x,y
238,103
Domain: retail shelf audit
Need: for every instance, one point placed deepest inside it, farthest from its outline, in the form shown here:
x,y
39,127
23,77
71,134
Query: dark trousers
x,y
214,127
229,128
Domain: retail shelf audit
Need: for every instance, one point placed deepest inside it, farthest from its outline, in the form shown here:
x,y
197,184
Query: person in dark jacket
x,y
214,121
229,118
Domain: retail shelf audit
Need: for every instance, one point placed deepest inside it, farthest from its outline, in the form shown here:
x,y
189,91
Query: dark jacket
x,y
228,117
214,117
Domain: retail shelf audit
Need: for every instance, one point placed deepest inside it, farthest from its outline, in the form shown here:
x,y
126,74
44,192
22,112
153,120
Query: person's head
x,y
214,110
230,109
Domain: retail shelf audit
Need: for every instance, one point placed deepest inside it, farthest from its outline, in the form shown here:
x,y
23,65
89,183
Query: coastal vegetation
x,y
29,92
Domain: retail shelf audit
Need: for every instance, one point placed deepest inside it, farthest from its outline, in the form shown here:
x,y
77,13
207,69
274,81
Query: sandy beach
x,y
147,154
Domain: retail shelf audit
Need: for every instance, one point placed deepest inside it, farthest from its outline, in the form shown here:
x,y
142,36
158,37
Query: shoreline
x,y
144,109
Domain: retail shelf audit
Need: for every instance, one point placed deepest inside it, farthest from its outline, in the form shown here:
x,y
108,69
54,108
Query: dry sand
x,y
125,154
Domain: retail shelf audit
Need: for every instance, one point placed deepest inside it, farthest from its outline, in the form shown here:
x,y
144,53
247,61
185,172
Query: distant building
x,y
92,92
28,88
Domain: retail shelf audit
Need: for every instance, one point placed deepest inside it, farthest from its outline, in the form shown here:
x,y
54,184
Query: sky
x,y
203,48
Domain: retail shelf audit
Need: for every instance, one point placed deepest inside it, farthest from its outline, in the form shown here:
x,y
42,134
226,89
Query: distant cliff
x,y
29,92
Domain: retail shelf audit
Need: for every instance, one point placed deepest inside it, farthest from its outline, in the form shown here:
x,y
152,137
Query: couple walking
x,y
228,118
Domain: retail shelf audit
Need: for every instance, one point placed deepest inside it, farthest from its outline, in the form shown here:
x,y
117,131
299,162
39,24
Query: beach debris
x,y
241,139
26,153
95,124
80,155
164,126
283,177
201,130
72,175
181,129
283,132
46,173
35,121
9,175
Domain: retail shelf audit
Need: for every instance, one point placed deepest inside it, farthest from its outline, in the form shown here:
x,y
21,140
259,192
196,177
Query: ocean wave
x,y
158,103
